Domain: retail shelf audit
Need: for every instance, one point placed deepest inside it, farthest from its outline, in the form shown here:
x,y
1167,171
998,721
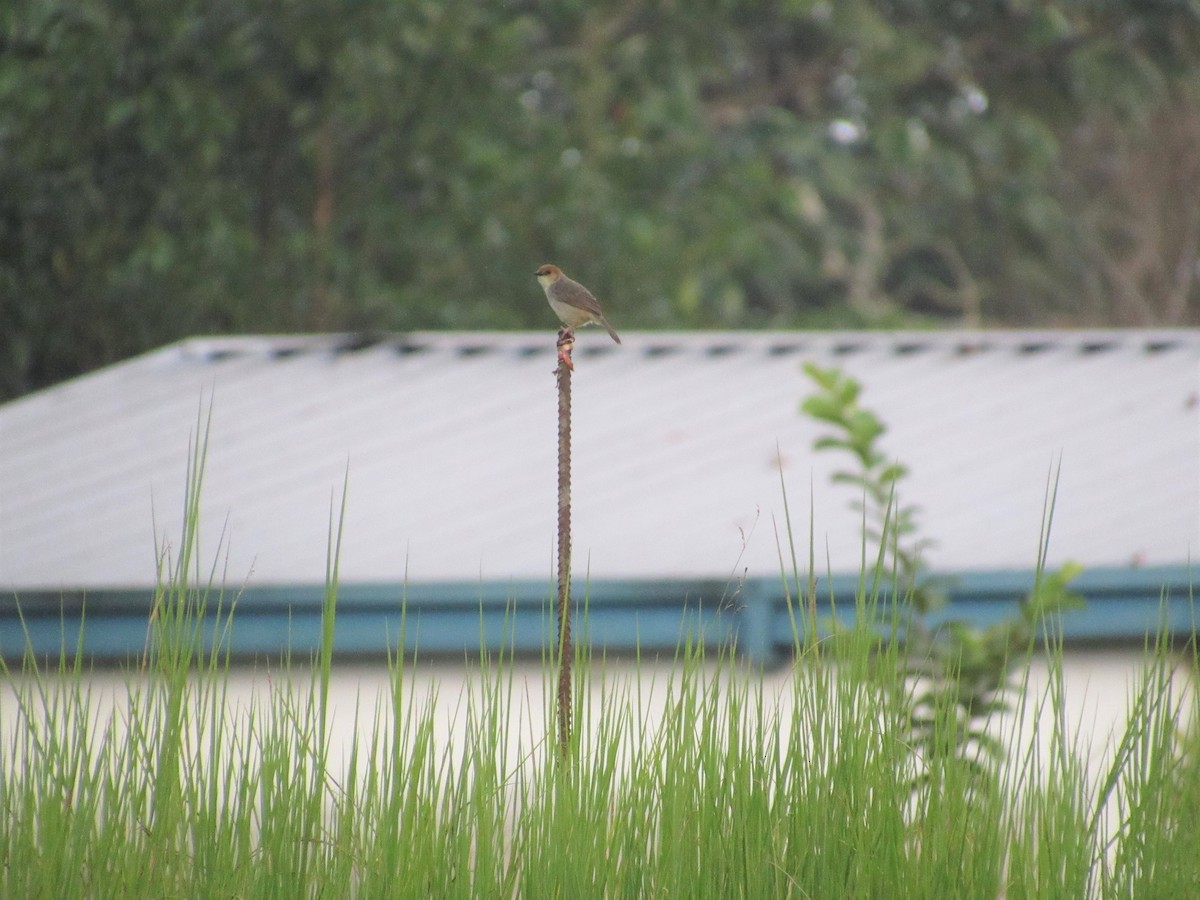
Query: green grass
x,y
701,780
698,782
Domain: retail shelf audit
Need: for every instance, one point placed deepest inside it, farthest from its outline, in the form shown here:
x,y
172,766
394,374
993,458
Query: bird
x,y
571,301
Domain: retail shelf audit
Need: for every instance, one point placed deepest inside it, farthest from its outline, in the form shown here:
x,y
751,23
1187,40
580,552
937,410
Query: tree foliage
x,y
371,164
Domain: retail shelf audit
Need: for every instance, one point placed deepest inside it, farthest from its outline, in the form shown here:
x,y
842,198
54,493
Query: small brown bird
x,y
571,301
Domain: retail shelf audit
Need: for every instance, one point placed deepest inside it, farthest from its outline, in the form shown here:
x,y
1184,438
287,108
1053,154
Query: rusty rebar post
x,y
566,652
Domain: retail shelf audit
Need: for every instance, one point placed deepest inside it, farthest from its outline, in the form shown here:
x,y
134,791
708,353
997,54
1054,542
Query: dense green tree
x,y
275,165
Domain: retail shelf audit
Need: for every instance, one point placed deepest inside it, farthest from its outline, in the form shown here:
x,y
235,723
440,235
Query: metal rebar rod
x,y
566,340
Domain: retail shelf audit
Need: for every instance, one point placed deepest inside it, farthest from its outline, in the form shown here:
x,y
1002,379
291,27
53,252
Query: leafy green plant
x,y
959,675
888,525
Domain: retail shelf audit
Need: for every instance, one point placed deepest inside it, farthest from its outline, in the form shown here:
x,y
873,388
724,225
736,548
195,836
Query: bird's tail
x,y
609,328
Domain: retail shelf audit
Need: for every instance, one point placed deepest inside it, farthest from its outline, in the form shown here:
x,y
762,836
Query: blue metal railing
x,y
651,617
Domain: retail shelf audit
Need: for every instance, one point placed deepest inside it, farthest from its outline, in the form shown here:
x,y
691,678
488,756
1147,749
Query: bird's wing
x,y
576,294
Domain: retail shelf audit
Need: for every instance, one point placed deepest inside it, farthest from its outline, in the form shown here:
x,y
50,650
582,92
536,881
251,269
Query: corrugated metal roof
x,y
449,441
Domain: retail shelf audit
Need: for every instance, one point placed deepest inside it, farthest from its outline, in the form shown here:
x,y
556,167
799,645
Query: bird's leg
x,y
566,340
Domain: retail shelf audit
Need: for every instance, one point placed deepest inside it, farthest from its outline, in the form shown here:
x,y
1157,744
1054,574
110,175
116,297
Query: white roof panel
x,y
449,445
